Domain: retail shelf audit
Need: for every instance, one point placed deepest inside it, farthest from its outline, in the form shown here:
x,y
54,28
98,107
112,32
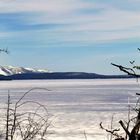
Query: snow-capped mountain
x,y
10,70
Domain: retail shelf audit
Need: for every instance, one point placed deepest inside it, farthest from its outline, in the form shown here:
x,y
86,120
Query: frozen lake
x,y
77,105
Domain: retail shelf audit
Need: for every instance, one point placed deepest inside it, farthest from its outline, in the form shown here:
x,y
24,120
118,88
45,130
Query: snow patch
x,y
10,70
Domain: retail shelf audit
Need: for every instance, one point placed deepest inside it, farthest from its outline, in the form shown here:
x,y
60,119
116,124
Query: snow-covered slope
x,y
10,70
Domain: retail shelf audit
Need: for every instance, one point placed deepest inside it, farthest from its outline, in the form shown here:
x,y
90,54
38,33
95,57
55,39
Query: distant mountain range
x,y
20,73
10,70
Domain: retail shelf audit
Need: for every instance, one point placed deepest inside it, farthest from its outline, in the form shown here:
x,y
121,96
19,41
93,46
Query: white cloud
x,y
51,6
111,23
4,34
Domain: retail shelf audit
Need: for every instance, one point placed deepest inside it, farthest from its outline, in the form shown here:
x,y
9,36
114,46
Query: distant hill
x,y
20,73
60,75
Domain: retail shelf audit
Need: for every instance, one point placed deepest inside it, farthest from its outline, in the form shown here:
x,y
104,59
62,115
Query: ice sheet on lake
x,y
77,105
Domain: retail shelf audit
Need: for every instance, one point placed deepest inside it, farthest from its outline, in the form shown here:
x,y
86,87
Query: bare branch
x,y
129,71
125,128
5,50
113,132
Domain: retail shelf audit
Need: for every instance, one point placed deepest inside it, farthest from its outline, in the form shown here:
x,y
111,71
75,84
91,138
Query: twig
x,y
113,132
85,135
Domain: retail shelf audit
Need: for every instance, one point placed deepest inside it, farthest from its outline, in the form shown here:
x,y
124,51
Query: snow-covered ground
x,y
77,106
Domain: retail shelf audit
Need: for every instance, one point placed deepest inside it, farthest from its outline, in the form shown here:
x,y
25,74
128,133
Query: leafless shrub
x,y
131,133
28,125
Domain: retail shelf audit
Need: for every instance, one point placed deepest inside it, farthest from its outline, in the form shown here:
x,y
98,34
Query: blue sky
x,y
70,35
